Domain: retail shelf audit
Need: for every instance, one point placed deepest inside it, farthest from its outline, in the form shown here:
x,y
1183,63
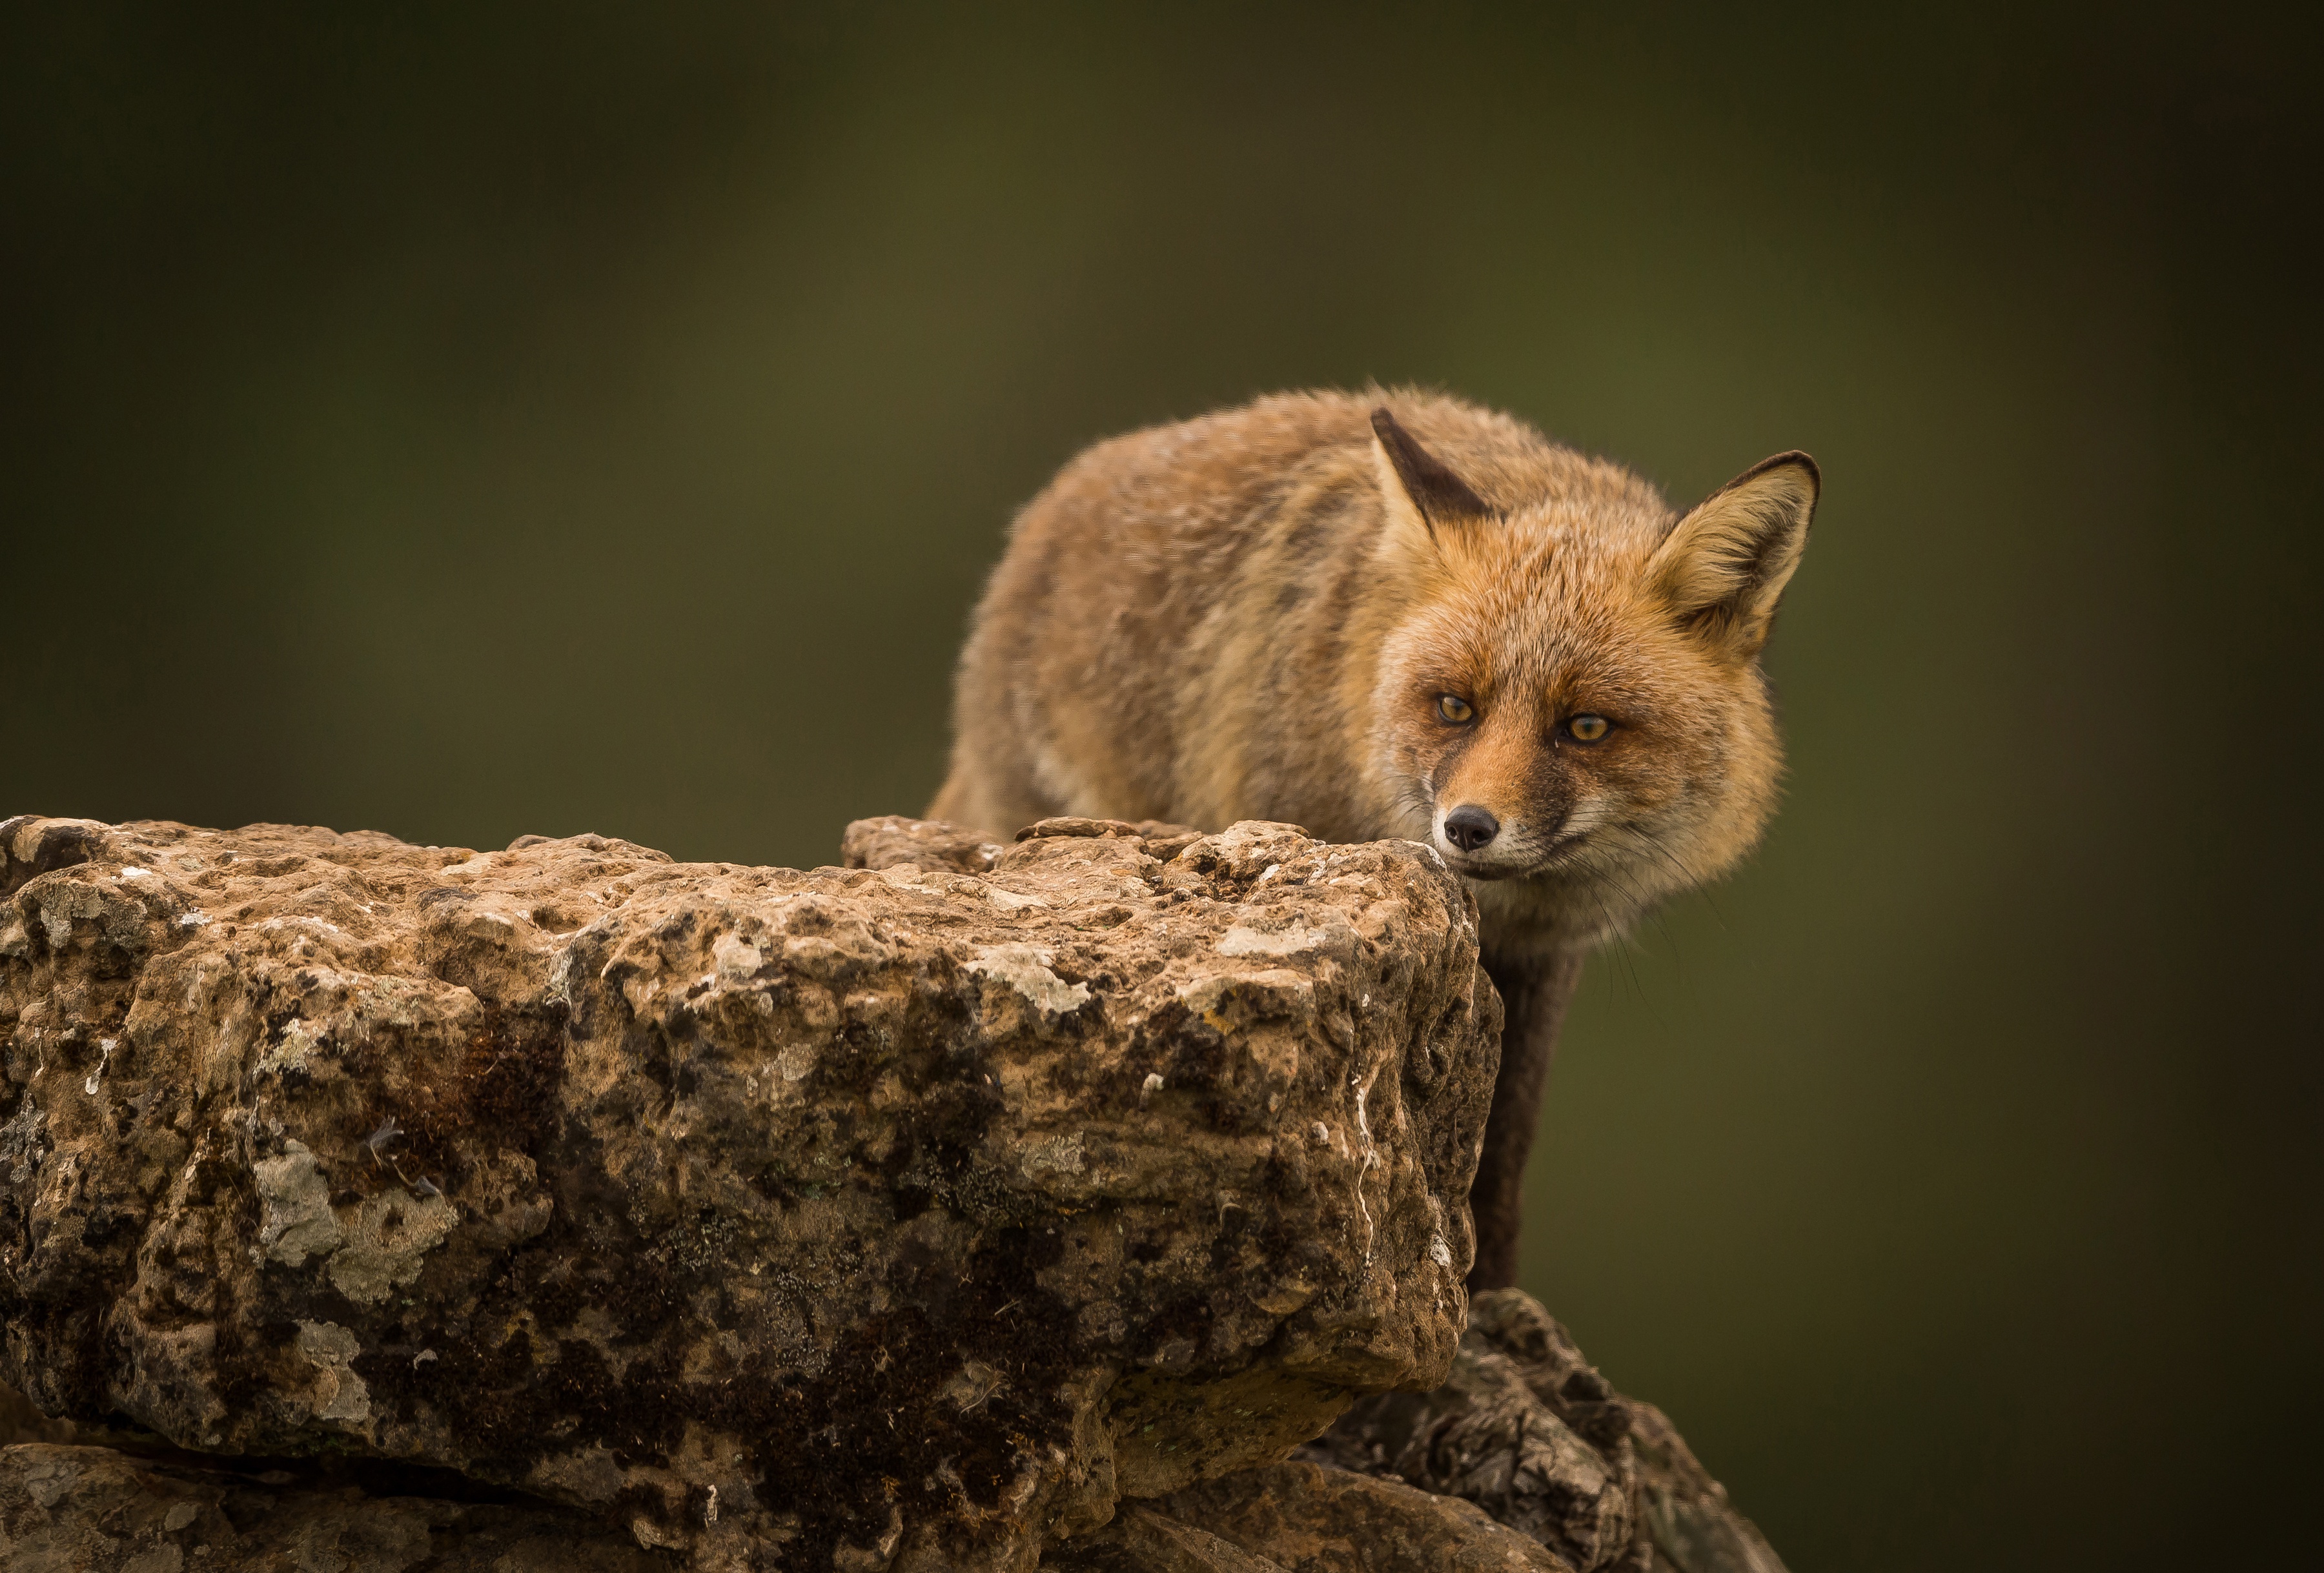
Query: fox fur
x,y
1395,614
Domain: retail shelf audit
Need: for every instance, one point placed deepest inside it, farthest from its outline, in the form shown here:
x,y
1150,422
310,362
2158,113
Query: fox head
x,y
1569,705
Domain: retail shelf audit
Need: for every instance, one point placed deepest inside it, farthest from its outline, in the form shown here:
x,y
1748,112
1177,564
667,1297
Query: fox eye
x,y
1453,708
1588,728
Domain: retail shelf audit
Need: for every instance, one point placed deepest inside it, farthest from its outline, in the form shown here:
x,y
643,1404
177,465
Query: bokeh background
x,y
465,421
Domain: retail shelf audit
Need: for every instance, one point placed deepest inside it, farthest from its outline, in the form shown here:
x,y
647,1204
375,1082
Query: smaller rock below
x,y
1693,1527
1486,1437
1312,1518
1527,1431
1142,1541
1516,1324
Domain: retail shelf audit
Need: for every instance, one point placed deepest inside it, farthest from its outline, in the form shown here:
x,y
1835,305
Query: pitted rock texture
x,y
1526,1429
1491,1460
858,1217
93,1510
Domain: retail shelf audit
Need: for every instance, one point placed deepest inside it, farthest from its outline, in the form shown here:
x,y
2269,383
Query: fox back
x,y
1392,615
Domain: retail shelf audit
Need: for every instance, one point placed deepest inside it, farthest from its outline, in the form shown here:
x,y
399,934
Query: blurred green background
x,y
468,421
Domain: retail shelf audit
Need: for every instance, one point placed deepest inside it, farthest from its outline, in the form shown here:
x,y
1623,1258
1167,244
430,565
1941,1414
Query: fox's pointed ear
x,y
1424,498
1724,565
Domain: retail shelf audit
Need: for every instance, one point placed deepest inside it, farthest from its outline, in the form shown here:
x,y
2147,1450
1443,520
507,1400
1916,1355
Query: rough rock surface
x,y
93,1510
1523,1458
1312,1518
900,1216
1488,1473
1140,1540
1527,1429
21,1422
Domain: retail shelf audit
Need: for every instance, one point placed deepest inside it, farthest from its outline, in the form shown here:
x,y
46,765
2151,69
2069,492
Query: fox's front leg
x,y
1535,989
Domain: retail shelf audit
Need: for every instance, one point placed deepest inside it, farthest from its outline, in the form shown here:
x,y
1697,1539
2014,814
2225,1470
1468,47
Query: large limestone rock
x,y
903,1216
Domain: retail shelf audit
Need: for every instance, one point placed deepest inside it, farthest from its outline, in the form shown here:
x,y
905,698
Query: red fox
x,y
1396,614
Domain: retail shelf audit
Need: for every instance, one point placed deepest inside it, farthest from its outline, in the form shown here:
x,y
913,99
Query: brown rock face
x,y
904,1216
1528,1431
92,1510
1311,1518
1501,1432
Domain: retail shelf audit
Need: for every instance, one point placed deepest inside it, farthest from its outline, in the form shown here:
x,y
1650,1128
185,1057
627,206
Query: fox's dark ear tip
x,y
1801,459
1434,489
1796,459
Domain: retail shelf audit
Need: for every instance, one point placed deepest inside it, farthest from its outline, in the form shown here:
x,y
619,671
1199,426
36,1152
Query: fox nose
x,y
1470,827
